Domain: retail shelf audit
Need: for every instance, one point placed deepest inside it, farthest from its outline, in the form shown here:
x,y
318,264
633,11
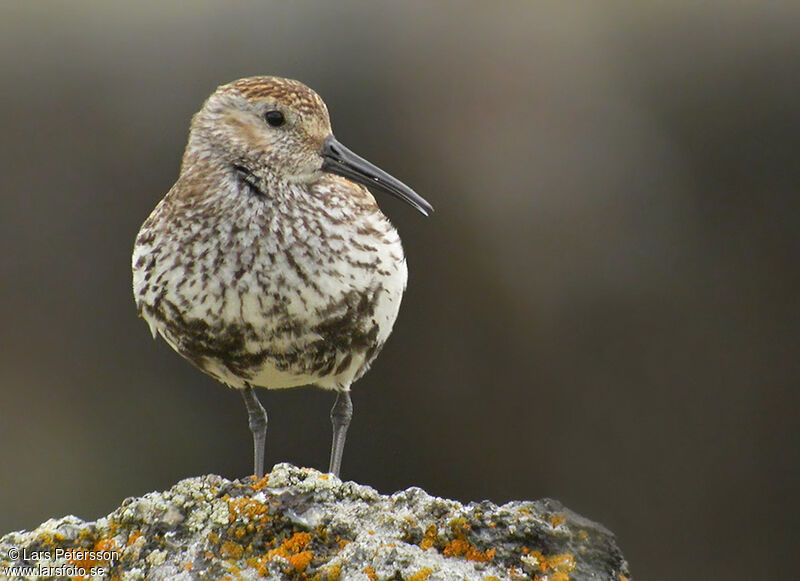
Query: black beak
x,y
341,161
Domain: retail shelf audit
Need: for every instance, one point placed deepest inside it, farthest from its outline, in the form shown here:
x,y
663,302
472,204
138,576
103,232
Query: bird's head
x,y
281,128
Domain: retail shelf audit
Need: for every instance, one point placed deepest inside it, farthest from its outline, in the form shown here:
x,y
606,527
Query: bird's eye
x,y
274,118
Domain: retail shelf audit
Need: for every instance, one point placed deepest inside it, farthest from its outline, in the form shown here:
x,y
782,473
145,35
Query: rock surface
x,y
300,524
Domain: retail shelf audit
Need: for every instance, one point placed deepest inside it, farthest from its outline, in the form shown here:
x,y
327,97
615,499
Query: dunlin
x,y
268,263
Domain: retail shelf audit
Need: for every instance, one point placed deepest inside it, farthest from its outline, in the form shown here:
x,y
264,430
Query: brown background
x,y
602,310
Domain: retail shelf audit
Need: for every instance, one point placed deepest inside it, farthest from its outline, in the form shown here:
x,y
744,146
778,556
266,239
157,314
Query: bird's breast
x,y
307,294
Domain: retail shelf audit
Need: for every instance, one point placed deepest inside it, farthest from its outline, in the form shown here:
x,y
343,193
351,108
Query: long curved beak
x,y
339,160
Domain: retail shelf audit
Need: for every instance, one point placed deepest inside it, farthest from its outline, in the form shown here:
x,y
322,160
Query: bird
x,y
269,264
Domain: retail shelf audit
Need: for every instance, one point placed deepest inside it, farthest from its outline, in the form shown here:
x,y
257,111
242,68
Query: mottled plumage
x,y
261,265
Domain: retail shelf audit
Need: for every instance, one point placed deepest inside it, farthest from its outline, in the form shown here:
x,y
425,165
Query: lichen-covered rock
x,y
300,524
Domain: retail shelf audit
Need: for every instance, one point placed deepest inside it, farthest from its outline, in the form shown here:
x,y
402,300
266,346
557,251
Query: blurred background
x,y
602,310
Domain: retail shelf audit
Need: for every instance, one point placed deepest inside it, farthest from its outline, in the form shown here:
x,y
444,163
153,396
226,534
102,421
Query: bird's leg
x,y
258,425
341,413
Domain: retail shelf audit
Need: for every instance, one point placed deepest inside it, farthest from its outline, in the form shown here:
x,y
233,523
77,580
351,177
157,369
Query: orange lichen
x,y
456,548
565,562
297,542
370,573
330,573
622,577
421,575
541,560
461,547
459,523
259,483
231,550
557,519
431,533
247,508
474,554
300,561
293,550
133,537
260,565
561,565
105,545
85,559
238,532
235,570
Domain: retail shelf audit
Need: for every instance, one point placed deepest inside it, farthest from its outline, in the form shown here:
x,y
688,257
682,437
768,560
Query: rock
x,y
300,524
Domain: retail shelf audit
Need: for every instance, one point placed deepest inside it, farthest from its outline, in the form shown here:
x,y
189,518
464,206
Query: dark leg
x,y
341,413
258,425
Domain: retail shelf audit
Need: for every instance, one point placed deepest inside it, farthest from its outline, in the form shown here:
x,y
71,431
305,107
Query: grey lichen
x,y
300,524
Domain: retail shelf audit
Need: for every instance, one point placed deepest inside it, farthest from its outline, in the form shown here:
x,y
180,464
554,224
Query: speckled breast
x,y
274,298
